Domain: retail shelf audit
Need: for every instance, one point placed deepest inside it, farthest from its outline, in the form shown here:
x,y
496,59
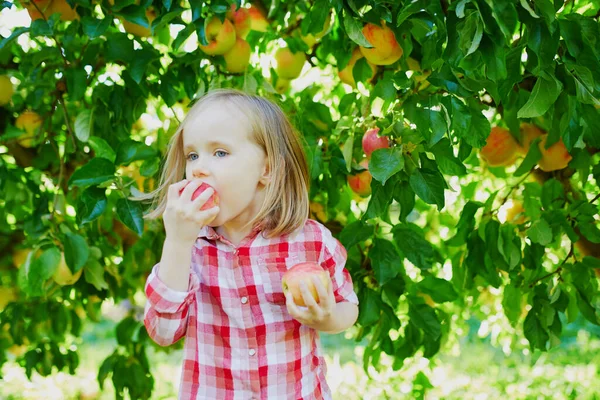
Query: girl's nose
x,y
200,169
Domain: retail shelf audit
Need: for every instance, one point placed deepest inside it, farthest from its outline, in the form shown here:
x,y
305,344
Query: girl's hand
x,y
183,218
316,315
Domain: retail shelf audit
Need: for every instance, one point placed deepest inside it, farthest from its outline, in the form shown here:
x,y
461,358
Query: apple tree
x,y
453,150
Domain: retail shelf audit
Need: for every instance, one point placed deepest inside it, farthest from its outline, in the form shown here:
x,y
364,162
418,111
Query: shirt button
x,y
244,300
252,352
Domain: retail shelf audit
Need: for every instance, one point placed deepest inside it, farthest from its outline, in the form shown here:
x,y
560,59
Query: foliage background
x,y
429,250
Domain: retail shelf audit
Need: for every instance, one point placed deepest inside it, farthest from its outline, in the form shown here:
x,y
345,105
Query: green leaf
x,y
130,150
511,303
96,171
426,319
544,94
469,124
14,35
356,232
354,28
94,275
444,155
102,149
533,156
41,269
535,332
466,223
84,125
414,247
440,290
470,33
385,260
429,186
93,27
76,82
130,213
92,203
540,232
77,251
369,309
405,196
381,198
385,163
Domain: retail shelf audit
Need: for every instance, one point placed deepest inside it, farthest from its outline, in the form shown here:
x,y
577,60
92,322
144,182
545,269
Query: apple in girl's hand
x,y
304,272
212,200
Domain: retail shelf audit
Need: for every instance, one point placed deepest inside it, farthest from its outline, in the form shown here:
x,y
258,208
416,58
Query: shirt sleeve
x,y
166,312
334,257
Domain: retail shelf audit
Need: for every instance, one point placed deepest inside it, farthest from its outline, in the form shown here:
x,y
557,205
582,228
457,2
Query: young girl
x,y
218,282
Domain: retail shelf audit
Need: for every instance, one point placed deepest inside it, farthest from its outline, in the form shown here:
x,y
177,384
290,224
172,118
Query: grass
x,y
472,369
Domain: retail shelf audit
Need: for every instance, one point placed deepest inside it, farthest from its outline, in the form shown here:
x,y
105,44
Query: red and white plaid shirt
x,y
240,340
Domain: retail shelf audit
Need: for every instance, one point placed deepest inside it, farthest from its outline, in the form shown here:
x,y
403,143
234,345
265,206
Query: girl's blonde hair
x,y
286,205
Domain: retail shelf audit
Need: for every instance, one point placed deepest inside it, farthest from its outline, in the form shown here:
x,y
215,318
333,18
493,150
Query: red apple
x,y
304,272
211,202
360,183
371,141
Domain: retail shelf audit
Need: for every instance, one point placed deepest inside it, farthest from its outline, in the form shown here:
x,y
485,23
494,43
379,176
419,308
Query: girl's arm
x,y
170,290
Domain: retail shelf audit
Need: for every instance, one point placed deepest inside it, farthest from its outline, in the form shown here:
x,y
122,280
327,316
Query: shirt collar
x,y
208,232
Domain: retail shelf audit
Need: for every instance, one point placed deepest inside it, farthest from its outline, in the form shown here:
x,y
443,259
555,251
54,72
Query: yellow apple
x,y
220,36
64,9
6,90
139,30
289,65
30,122
237,58
346,73
63,275
385,50
258,22
500,148
7,295
360,183
529,133
554,157
19,256
282,85
38,12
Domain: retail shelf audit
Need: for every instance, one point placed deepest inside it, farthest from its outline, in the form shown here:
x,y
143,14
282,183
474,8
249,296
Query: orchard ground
x,y
471,369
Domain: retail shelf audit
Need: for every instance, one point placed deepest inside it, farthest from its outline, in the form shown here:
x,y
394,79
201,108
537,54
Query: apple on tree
x,y
258,22
30,122
289,65
371,141
554,157
241,20
500,148
346,74
360,183
237,58
385,50
220,37
304,272
6,90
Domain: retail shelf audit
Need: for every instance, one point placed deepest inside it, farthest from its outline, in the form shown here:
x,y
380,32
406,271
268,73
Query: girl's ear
x,y
265,177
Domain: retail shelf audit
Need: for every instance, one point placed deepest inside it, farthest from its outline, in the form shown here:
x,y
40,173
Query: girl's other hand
x,y
183,218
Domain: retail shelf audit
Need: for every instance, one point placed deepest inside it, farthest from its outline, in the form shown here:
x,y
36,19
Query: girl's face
x,y
219,150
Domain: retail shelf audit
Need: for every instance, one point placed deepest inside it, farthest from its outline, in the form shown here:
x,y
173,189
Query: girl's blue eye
x,y
220,153
192,156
